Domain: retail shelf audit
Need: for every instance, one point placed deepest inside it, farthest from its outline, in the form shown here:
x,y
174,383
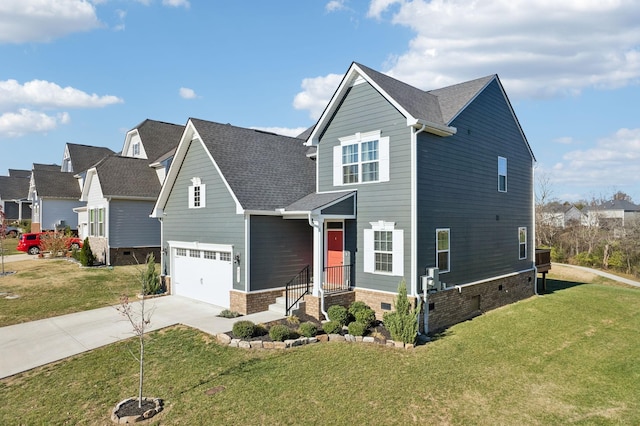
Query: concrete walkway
x,y
602,274
32,344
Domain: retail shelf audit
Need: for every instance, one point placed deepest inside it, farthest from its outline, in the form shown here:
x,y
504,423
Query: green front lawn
x,y
9,246
48,288
570,356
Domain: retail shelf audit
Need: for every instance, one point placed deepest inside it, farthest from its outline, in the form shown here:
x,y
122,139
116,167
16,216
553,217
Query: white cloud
x,y
22,106
24,21
15,124
49,95
316,94
335,5
186,93
564,140
615,159
176,3
285,131
540,48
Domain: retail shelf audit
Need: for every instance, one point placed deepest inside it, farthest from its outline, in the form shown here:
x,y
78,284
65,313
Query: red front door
x,y
335,256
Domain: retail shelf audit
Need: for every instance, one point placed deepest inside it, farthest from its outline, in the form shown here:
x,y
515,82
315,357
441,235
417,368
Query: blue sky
x,y
87,71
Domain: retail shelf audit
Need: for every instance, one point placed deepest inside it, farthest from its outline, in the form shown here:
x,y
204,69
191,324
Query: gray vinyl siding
x,y
131,226
53,211
280,249
343,208
217,223
457,189
363,110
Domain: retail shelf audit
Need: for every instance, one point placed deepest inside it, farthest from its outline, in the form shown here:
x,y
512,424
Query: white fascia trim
x,y
87,184
435,128
127,139
499,277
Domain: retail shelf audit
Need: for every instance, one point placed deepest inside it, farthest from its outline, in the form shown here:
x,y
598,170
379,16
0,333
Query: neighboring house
x,y
55,190
392,183
614,214
562,215
120,192
13,195
53,195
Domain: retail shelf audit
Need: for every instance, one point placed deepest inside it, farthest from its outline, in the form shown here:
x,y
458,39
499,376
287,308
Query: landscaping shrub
x,y
279,333
403,322
339,314
227,313
86,255
150,277
260,330
357,328
361,312
308,329
332,327
244,329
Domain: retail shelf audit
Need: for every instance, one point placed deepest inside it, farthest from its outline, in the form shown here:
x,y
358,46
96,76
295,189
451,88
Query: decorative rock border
x,y
134,419
226,340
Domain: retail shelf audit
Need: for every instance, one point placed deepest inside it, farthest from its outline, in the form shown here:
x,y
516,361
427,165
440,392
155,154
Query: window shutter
x,y
337,165
398,253
383,147
369,258
203,195
190,197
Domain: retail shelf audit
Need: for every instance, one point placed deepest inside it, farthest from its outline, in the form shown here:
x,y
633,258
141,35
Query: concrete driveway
x,y
32,344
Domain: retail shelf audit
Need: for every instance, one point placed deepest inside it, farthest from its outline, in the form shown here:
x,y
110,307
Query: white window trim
x,y
196,182
398,249
439,251
502,171
359,138
520,244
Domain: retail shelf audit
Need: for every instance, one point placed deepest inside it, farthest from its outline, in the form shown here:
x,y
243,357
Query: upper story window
x,y
361,158
502,174
522,242
443,250
197,194
136,149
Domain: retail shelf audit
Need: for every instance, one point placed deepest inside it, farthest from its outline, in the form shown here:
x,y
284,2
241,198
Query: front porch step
x,y
280,307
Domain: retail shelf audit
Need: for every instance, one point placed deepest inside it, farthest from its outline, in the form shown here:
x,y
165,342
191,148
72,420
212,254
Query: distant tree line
x,y
589,238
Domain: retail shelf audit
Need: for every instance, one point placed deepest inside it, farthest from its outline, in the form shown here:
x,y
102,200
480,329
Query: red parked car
x,y
32,244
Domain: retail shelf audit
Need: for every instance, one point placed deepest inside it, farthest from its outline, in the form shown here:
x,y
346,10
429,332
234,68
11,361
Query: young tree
x,y
139,319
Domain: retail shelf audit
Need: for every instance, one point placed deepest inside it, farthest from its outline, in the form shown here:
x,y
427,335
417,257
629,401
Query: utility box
x,y
431,281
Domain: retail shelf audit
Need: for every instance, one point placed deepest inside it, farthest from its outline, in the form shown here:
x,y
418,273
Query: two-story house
x,y
120,192
392,184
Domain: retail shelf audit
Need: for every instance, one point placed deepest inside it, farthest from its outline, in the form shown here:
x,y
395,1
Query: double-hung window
x,y
361,158
384,249
522,242
502,174
443,250
92,222
197,194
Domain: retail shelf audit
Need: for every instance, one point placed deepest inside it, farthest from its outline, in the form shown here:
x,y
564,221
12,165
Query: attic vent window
x,y
197,194
136,149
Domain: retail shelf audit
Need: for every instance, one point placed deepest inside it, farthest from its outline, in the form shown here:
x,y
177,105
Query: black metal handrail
x,y
336,278
297,288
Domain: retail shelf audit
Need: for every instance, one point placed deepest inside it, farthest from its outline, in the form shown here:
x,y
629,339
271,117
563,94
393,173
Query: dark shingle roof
x,y
265,171
436,106
127,177
84,156
49,167
55,184
616,205
20,173
315,201
14,188
159,137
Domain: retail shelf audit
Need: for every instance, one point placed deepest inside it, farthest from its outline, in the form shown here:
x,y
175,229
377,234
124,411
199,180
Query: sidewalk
x,y
603,274
32,344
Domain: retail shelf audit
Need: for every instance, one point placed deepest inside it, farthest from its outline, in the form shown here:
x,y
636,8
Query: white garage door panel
x,y
204,275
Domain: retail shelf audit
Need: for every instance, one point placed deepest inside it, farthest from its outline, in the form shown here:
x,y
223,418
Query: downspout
x,y
414,226
316,266
533,202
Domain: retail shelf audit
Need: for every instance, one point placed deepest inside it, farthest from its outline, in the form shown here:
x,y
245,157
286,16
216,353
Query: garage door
x,y
203,273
